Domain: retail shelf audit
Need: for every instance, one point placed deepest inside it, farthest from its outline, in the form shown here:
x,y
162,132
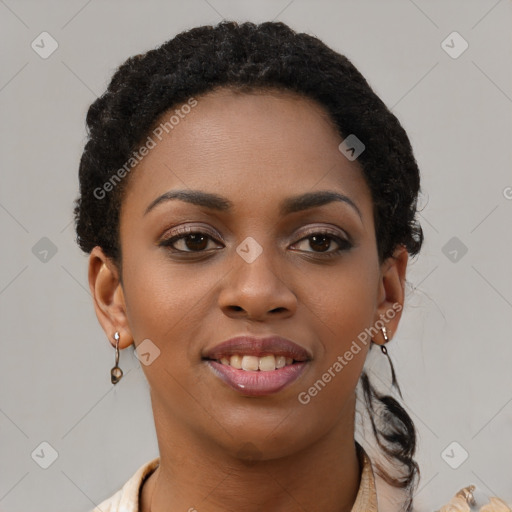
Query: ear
x,y
391,293
108,297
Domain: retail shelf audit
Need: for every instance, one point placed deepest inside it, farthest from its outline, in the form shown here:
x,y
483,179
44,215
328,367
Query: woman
x,y
249,206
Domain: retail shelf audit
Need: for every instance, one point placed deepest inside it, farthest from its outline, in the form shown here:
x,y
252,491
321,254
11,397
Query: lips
x,y
252,346
255,382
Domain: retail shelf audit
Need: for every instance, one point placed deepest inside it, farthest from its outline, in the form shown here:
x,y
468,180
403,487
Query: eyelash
x,y
182,233
344,244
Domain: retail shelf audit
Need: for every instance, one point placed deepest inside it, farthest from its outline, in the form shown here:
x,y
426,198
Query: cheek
x,y
344,300
160,301
343,319
342,306
346,312
340,319
166,307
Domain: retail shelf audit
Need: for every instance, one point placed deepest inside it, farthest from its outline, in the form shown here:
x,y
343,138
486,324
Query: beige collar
x,y
366,499
127,498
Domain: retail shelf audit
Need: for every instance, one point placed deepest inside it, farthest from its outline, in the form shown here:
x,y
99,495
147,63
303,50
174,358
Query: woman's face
x,y
256,261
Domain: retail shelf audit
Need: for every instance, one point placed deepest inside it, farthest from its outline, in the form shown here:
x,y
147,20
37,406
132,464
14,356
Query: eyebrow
x,y
289,205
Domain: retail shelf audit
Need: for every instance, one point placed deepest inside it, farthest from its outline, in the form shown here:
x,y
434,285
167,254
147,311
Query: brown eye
x,y
326,243
196,242
190,241
320,243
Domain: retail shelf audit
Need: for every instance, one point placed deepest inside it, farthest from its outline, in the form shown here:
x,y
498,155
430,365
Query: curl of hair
x,y
396,437
248,57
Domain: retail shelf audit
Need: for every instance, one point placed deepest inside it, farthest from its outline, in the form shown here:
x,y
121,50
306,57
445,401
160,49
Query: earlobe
x,y
108,297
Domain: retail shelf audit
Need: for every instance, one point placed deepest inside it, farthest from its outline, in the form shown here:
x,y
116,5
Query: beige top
x,y
127,498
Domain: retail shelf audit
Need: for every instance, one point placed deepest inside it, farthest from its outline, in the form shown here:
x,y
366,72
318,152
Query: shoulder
x,y
126,499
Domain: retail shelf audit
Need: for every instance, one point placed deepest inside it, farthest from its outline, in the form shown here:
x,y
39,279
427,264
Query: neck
x,y
193,475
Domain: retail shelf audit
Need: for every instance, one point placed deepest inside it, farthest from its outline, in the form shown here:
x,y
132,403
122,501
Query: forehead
x,y
250,144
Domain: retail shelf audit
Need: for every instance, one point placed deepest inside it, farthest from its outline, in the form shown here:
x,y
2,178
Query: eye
x,y
323,242
189,240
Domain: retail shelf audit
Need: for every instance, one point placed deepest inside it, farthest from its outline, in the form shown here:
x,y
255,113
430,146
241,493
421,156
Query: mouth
x,y
257,366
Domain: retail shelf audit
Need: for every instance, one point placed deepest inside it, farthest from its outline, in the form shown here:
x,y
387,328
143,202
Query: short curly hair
x,y
268,55
249,57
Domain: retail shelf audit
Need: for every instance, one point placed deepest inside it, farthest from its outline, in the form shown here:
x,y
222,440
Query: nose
x,y
256,290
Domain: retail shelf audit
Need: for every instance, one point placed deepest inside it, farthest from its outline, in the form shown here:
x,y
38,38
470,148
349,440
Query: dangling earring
x,y
384,350
116,373
386,339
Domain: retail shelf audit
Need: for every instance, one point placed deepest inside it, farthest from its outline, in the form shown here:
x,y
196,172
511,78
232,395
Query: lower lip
x,y
257,383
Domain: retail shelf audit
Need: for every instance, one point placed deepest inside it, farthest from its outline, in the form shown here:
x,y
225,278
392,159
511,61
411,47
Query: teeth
x,y
267,363
280,361
264,363
250,363
236,362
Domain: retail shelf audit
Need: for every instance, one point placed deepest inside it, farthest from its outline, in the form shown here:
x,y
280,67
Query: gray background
x,y
453,350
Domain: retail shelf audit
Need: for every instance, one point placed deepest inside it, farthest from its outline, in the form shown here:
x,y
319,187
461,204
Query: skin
x,y
254,149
